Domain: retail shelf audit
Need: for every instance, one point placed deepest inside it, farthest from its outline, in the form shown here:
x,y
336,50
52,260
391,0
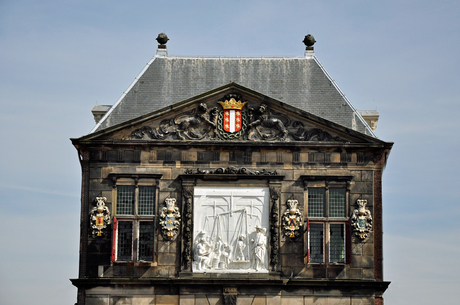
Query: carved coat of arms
x,y
170,219
99,217
292,219
232,121
237,120
361,221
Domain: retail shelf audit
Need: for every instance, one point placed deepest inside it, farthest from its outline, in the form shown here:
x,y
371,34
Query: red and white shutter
x,y
114,240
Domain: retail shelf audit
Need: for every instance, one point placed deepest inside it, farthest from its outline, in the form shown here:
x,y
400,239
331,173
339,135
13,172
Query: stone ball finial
x,y
162,38
309,40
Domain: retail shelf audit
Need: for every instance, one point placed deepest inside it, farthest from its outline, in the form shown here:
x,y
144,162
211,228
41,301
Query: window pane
x,y
337,202
146,235
316,238
125,200
316,202
125,240
337,243
146,200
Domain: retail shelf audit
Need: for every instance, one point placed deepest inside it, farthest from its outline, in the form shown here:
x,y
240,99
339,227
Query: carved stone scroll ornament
x,y
187,192
292,219
231,171
100,217
314,134
361,221
275,193
170,219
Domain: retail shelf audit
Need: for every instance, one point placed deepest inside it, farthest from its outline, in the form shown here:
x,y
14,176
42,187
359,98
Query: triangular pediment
x,y
230,113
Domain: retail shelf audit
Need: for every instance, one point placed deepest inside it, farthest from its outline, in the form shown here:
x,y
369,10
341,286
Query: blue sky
x,y
60,58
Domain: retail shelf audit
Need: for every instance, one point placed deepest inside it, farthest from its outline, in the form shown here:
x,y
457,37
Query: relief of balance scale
x,y
230,236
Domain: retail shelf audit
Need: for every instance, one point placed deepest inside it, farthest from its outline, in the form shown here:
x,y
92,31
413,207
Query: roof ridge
x,y
123,95
235,57
368,128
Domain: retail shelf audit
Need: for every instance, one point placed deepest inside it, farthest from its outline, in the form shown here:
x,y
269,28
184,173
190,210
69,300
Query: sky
x,y
58,59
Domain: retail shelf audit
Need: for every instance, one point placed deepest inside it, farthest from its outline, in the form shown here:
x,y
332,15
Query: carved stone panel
x,y
229,119
230,229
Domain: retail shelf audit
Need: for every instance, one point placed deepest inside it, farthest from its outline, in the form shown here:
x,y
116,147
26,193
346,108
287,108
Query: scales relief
x,y
230,230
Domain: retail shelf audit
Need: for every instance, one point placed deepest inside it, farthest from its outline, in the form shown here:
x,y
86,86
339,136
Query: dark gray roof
x,y
301,82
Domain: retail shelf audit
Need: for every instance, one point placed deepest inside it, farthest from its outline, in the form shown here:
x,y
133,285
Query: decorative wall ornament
x,y
292,219
100,217
314,134
230,230
361,221
275,193
187,192
268,124
232,122
197,124
170,219
231,171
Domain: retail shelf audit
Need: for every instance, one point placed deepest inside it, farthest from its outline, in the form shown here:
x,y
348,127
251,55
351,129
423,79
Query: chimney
x,y
371,117
99,111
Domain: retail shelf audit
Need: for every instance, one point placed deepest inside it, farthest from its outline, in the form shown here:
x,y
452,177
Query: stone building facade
x,y
200,190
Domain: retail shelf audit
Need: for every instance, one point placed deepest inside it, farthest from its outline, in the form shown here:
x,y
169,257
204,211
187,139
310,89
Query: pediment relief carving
x,y
230,118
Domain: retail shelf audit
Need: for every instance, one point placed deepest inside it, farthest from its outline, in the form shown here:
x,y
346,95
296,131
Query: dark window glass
x,y
125,200
316,202
337,243
316,240
337,202
146,200
125,240
146,235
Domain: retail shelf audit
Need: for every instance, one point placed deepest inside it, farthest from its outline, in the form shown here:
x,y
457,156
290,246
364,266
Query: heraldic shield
x,y
232,120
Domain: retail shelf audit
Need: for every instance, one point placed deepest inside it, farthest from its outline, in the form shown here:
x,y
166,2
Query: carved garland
x,y
187,192
274,227
230,171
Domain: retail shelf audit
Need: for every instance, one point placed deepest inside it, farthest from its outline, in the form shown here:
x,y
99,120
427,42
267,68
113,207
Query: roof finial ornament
x,y
309,41
162,40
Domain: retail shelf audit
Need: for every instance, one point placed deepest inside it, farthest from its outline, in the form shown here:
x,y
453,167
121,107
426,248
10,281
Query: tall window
x,y
134,224
327,225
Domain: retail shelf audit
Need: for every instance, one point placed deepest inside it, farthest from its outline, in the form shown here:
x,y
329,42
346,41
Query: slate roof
x,y
301,82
